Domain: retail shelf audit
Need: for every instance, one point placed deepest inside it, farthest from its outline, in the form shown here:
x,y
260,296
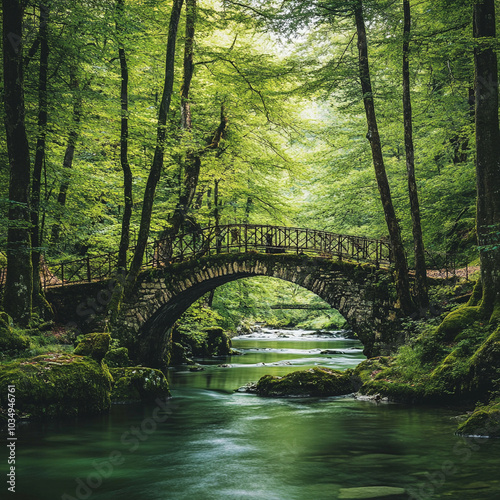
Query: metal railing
x,y
211,240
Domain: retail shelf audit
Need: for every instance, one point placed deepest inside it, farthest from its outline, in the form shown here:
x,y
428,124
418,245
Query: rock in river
x,y
316,381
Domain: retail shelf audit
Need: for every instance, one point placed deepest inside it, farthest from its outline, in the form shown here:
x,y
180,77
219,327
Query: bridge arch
x,y
361,293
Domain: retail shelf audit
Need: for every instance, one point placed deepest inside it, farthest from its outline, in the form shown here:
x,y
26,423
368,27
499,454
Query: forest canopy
x,y
129,121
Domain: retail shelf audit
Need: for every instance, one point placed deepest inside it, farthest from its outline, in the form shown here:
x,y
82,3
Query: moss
x,y
115,358
484,421
138,384
178,355
95,345
313,382
485,365
477,294
57,385
368,369
456,321
219,344
11,342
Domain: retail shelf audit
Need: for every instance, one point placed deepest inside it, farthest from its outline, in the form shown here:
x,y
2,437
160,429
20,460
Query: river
x,y
209,442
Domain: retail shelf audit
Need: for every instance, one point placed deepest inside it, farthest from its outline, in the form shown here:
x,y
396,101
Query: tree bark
x,y
19,280
156,167
487,154
421,288
127,172
400,265
40,152
68,154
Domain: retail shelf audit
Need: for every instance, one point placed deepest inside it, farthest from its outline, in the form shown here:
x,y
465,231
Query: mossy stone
x,y
485,364
138,383
95,345
456,321
219,344
11,341
484,421
316,381
115,358
178,354
57,385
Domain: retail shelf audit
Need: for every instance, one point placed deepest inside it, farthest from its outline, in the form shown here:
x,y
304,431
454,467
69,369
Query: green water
x,y
209,442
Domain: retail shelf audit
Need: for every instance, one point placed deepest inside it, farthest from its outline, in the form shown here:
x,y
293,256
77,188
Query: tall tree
x,y
421,290
192,163
69,152
36,236
487,154
127,172
157,164
19,280
400,264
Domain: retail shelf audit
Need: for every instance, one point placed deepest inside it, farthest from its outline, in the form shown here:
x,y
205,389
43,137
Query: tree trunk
x,y
40,152
69,154
127,172
400,265
192,163
421,289
19,280
487,154
156,167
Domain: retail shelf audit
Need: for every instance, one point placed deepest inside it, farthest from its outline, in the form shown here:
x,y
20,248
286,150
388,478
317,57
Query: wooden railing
x,y
232,238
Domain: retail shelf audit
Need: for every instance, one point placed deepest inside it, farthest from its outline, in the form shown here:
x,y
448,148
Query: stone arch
x,y
359,292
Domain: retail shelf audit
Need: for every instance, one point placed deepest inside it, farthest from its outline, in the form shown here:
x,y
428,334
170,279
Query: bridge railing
x,y
239,238
231,238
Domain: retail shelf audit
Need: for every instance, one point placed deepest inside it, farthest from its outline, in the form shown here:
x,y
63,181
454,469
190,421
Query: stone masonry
x,y
363,294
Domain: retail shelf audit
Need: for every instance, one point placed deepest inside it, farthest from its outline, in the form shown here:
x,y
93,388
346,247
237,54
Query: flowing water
x,y
210,442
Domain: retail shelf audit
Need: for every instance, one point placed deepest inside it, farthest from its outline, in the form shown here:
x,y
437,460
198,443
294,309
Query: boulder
x,y
116,358
57,385
95,345
313,382
484,421
138,383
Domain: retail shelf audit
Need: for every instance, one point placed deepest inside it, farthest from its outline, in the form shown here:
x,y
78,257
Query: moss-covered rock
x,y
368,369
178,355
11,342
57,385
316,381
457,321
138,384
485,364
116,358
95,345
484,421
219,344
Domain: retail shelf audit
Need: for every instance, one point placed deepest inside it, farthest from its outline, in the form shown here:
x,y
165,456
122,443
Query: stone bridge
x,y
343,270
361,293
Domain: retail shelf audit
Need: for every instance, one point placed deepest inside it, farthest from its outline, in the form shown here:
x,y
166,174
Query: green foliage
x,y
248,301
